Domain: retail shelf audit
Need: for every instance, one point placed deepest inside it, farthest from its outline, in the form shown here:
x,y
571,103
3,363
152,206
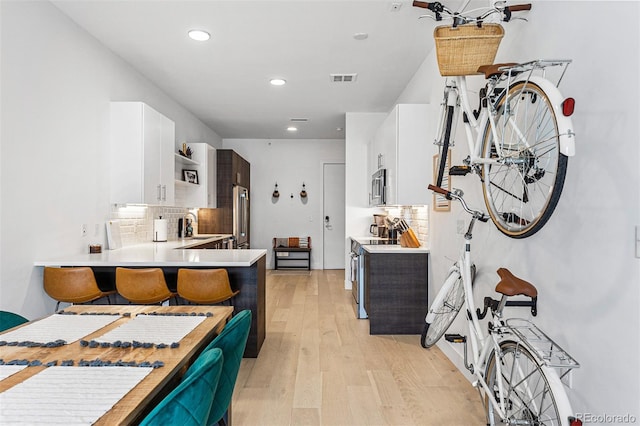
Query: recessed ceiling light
x,y
199,35
292,129
361,36
277,82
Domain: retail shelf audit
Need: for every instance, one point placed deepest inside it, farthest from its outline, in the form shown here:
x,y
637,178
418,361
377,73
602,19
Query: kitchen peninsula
x,y
246,270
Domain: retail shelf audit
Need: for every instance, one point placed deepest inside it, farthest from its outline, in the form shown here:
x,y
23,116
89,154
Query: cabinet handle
x,y
164,192
159,192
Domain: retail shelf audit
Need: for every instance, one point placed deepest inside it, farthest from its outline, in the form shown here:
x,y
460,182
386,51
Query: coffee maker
x,y
379,226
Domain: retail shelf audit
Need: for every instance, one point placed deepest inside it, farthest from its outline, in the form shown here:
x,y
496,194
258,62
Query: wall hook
x,y
276,193
303,193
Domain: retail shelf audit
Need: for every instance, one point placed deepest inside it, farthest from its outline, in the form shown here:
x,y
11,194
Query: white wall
x,y
57,82
583,260
360,130
288,162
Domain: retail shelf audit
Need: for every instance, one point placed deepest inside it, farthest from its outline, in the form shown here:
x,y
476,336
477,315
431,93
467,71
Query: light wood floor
x,y
320,366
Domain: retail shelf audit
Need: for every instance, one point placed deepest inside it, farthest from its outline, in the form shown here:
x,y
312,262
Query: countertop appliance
x,y
240,217
357,278
379,188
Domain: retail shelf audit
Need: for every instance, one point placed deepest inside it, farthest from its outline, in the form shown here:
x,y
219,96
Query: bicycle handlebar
x,y
457,194
438,8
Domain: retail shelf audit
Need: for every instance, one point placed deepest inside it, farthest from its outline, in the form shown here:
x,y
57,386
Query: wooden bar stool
x,y
142,286
72,285
205,286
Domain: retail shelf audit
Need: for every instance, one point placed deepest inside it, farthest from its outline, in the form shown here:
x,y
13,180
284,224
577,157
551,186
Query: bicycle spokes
x,y
523,182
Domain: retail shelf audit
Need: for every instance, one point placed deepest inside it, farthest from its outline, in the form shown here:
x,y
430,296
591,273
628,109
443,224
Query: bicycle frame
x,y
482,345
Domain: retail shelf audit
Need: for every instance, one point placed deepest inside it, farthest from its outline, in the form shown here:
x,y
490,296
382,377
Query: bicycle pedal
x,y
459,170
455,338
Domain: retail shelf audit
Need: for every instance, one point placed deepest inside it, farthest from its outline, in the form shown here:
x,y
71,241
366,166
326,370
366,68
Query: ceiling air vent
x,y
299,120
343,78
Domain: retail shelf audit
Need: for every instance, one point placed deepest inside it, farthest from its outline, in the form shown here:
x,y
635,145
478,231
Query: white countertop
x,y
161,254
387,248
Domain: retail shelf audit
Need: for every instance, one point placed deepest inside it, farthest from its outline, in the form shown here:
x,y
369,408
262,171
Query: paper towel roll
x,y
160,230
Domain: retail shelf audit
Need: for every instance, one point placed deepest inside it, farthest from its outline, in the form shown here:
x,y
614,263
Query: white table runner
x,y
59,327
9,370
156,329
68,395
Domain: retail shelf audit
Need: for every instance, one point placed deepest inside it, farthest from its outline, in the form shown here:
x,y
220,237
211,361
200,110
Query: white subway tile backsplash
x,y
136,222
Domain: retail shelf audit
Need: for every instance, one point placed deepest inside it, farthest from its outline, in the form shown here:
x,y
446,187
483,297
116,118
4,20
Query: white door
x,y
333,216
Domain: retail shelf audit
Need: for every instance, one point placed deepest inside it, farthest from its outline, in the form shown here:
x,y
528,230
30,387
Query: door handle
x,y
327,223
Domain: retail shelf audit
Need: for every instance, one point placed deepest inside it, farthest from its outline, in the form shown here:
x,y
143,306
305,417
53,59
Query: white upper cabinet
x,y
202,161
404,146
142,155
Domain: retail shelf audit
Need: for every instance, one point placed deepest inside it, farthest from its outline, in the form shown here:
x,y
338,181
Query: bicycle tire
x,y
445,308
444,148
531,391
523,189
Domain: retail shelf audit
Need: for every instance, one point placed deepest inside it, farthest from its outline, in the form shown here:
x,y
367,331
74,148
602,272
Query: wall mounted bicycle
x,y
521,135
517,368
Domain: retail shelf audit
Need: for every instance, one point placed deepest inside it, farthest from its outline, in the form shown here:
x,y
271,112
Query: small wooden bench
x,y
290,250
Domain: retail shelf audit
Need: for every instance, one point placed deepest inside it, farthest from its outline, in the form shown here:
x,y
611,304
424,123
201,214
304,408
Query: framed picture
x,y
440,203
190,176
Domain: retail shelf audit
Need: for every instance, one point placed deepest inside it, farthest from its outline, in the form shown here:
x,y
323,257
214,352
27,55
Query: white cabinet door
x,y
142,165
167,163
414,153
404,143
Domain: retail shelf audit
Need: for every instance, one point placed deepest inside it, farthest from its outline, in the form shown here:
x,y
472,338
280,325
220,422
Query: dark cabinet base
x,y
249,280
396,296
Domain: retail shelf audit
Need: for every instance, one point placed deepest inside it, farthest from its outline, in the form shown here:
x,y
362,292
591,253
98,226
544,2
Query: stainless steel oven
x,y
357,278
379,188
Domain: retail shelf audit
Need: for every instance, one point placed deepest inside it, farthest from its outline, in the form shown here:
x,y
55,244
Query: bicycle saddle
x,y
494,70
510,285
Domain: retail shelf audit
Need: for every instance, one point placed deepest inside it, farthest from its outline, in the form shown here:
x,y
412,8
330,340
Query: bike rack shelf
x,y
540,345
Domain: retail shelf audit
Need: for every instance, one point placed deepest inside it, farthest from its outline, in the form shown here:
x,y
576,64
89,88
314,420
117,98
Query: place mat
x,y
156,329
64,328
9,370
68,395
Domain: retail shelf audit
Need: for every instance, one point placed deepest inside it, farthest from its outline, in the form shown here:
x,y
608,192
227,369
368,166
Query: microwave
x,y
379,188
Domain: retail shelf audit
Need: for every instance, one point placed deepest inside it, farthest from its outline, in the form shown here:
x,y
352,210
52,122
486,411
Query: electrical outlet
x,y
83,230
460,227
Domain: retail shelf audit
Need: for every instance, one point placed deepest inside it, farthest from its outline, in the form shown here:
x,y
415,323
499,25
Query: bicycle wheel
x,y
521,190
444,144
529,397
444,308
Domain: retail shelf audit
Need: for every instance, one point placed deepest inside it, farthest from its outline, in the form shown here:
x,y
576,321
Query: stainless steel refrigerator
x,y
240,217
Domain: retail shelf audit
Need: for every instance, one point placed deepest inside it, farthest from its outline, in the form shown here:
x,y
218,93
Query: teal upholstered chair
x,y
232,341
190,402
9,320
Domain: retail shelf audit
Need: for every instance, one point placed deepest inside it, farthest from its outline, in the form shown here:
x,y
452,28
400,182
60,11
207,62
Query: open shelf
x,y
185,183
181,159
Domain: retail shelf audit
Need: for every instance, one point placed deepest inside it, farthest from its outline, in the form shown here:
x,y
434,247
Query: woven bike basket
x,y
463,49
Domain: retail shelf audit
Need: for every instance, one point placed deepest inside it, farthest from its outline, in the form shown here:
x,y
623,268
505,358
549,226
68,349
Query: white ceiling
x,y
225,81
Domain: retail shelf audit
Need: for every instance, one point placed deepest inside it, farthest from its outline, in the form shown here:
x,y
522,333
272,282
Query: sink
x,y
205,237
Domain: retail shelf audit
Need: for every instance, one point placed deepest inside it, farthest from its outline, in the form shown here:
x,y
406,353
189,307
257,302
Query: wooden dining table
x,y
136,403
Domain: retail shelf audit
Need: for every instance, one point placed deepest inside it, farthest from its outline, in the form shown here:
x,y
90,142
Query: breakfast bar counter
x,y
161,254
246,269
